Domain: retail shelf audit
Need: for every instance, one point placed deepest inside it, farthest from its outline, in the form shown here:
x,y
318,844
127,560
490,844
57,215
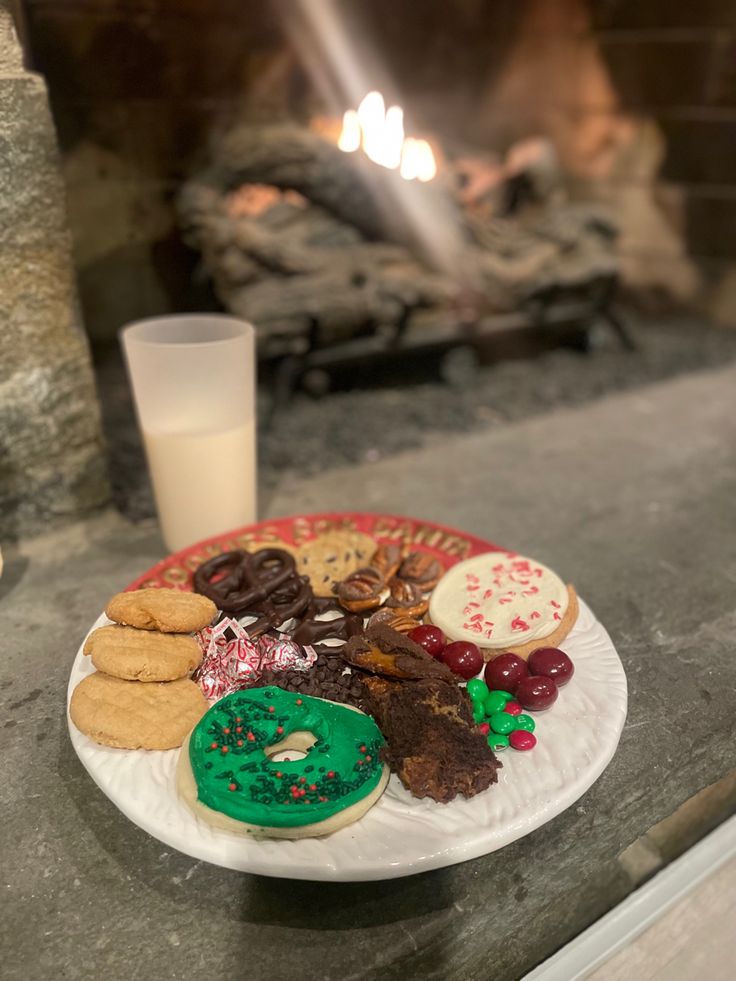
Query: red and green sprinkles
x,y
237,777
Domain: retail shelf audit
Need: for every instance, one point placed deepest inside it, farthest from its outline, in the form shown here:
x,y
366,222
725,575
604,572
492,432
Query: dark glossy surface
x,y
429,637
536,693
505,671
463,658
552,663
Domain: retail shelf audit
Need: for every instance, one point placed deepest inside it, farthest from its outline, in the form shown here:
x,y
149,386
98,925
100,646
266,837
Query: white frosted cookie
x,y
499,600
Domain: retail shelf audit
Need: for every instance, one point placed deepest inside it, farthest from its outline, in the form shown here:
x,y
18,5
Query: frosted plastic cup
x,y
193,381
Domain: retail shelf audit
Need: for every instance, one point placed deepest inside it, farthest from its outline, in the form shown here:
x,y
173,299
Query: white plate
x,y
400,835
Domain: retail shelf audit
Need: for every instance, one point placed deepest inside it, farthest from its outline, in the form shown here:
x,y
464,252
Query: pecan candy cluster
x,y
394,588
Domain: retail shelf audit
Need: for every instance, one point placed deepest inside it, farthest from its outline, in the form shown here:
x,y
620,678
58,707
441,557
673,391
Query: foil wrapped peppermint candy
x,y
282,654
227,664
231,662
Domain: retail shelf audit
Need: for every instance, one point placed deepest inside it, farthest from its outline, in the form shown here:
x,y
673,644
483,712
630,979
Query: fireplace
x,y
335,226
553,148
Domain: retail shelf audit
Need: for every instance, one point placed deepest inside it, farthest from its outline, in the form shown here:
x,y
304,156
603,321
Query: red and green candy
x,y
512,685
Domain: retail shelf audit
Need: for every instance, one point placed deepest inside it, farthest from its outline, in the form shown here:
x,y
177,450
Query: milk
x,y
204,483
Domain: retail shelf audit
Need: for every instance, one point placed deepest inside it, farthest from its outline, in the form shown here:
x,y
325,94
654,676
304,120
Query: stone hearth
x,y
52,464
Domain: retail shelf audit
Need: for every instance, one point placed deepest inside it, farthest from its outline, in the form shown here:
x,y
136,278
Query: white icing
x,y
498,599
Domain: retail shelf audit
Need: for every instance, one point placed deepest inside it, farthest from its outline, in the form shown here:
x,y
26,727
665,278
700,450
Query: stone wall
x,y
52,465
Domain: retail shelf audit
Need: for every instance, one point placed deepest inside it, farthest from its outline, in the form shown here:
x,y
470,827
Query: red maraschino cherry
x,y
463,658
536,693
552,663
429,637
505,672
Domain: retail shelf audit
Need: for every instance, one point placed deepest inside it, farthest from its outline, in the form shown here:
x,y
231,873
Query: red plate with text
x,y
446,544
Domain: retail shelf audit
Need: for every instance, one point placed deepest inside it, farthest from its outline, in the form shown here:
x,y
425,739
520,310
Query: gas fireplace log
x,y
373,200
279,253
282,281
291,230
269,268
350,288
291,157
298,240
235,267
339,301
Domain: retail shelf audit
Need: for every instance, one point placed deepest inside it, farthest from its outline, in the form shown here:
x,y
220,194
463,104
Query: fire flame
x,y
380,132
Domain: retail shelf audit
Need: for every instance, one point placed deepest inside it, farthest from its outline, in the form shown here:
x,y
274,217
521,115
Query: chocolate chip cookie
x,y
332,557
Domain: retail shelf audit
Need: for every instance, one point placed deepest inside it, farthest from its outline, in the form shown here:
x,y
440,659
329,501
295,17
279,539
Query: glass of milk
x,y
193,380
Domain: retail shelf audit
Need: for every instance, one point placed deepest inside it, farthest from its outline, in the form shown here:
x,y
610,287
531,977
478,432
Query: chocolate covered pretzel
x,y
264,584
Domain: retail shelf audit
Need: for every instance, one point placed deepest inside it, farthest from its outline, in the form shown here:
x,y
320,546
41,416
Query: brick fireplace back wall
x,y
139,87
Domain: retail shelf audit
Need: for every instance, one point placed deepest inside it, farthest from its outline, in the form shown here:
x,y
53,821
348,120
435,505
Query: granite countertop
x,y
631,497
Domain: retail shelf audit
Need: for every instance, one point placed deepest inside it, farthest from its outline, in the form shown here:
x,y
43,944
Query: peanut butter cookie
x,y
135,714
142,655
168,610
